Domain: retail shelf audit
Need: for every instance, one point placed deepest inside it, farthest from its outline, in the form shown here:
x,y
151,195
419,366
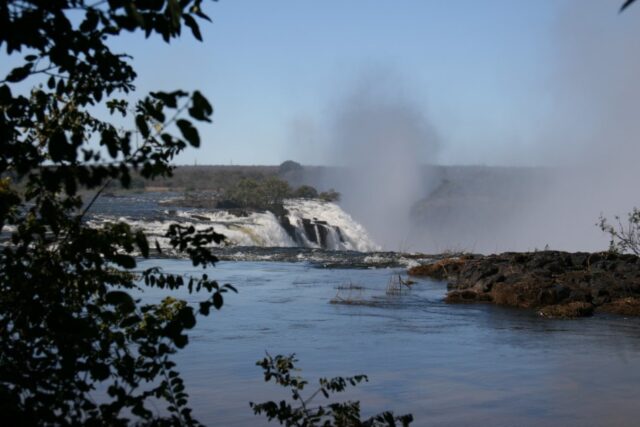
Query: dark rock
x,y
580,295
564,281
321,228
567,311
310,230
547,296
562,292
288,227
457,297
447,268
629,306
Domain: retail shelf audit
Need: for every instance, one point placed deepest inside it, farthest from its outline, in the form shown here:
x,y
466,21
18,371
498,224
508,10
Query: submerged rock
x,y
559,284
623,306
567,311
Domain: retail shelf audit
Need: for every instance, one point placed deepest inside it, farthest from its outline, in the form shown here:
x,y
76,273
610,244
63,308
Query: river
x,y
448,365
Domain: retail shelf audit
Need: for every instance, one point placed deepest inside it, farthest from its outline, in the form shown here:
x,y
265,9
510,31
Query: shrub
x,y
625,237
305,192
281,369
68,322
330,196
289,166
251,194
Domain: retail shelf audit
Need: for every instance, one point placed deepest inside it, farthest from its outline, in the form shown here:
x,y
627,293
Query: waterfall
x,y
306,223
327,219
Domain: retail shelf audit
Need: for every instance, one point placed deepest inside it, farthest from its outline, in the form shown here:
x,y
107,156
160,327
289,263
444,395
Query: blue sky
x,y
479,70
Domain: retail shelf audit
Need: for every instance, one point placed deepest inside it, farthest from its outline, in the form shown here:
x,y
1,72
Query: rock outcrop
x,y
557,284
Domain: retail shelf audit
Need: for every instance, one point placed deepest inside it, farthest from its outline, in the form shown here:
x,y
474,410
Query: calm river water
x,y
448,365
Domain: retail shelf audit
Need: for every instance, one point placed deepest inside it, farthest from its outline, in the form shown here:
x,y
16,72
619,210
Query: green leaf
x,y
109,138
125,261
205,308
5,95
200,108
180,340
217,300
228,286
143,127
626,4
143,243
170,99
130,321
100,371
187,318
121,299
20,73
189,132
59,147
191,23
133,13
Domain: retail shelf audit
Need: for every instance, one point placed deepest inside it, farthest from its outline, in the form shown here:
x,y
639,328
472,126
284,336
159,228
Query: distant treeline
x,y
218,178
269,194
239,187
207,178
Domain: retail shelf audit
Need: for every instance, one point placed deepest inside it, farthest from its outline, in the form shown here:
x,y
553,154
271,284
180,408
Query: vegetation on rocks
x,y
625,237
269,194
441,269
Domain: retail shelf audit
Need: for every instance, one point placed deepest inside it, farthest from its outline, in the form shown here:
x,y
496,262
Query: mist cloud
x,y
585,105
592,130
383,137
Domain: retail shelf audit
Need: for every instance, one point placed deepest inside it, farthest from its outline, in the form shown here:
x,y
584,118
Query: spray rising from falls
x,y
581,130
382,138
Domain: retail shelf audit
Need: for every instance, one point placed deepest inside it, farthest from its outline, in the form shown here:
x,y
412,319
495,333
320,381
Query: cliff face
x,y
481,209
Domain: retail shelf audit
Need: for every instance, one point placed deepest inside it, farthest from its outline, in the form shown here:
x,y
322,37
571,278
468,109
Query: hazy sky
x,y
484,72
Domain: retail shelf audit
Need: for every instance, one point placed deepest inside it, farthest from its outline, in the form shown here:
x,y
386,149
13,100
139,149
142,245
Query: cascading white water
x,y
314,224
342,232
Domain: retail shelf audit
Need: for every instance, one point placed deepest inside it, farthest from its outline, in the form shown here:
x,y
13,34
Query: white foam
x,y
355,237
263,228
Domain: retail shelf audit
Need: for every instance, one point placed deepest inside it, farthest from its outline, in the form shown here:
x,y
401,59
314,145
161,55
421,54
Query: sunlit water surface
x,y
448,365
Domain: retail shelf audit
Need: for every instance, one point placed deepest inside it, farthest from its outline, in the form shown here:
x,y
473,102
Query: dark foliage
x,y
68,321
306,192
289,166
624,237
626,4
281,369
329,196
269,194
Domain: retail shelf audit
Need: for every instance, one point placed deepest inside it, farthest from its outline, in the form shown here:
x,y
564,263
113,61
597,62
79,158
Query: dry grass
x,y
440,269
364,302
571,310
349,287
623,306
398,286
349,293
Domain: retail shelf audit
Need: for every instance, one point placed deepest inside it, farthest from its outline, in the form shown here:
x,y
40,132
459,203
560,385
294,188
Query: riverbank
x,y
556,284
